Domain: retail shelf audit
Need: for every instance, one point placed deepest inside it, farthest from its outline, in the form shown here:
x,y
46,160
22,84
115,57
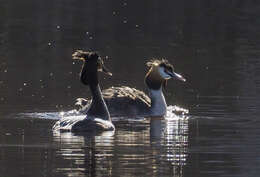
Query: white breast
x,y
158,107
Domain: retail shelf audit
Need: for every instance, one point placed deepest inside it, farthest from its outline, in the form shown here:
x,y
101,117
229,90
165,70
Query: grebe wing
x,y
127,93
82,123
121,101
126,101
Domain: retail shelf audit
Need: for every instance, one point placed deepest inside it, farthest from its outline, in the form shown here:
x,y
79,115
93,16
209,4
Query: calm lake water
x,y
213,44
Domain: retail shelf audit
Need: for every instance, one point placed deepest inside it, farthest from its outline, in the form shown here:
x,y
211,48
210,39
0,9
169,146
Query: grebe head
x,y
160,71
92,64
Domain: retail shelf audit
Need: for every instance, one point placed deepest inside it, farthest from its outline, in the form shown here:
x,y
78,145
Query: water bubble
x,y
125,21
73,63
5,70
40,80
114,13
58,27
90,37
2,99
87,33
69,87
125,4
49,44
20,89
136,26
51,74
24,84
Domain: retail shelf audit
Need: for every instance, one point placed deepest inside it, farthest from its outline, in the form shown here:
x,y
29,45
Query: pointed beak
x,y
177,76
105,70
102,68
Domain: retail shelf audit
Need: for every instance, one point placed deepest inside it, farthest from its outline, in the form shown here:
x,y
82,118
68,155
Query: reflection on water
x,y
150,147
214,44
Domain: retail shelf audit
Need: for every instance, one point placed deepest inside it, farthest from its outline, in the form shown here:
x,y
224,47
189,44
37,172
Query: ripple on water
x,y
139,147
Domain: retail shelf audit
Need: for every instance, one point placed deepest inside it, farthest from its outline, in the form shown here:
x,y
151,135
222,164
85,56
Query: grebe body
x,y
126,101
97,117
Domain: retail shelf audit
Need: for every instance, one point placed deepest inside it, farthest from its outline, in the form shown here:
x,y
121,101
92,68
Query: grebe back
x,y
126,101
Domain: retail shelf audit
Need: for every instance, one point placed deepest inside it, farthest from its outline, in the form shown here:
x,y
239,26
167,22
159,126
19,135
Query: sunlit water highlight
x,y
158,145
214,44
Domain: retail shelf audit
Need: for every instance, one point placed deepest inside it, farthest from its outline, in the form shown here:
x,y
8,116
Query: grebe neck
x,y
98,107
158,103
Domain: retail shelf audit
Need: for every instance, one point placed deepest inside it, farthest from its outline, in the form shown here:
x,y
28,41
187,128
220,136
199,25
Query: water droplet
x,y
58,27
24,84
2,99
33,95
87,33
114,13
40,80
90,37
5,70
70,72
69,87
42,96
51,74
7,134
125,21
125,4
20,89
136,26
49,44
42,86
73,63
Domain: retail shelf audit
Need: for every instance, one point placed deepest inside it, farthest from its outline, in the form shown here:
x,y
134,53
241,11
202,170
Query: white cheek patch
x,y
163,74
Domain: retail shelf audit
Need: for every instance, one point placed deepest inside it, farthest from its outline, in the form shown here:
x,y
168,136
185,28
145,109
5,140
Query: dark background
x,y
214,44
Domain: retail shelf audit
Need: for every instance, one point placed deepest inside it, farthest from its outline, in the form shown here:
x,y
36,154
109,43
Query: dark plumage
x,y
126,101
97,116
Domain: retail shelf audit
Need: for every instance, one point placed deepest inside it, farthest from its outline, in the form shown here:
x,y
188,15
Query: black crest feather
x,y
163,62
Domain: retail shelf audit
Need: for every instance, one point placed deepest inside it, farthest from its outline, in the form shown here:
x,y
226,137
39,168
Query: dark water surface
x,y
214,44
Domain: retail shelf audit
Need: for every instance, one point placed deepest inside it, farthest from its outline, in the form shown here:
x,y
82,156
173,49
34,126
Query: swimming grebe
x,y
97,116
126,101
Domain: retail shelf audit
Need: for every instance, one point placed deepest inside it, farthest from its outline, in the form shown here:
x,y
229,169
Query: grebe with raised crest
x,y
126,101
97,116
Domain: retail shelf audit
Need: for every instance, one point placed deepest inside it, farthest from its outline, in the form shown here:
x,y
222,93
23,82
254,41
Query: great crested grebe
x,y
126,101
97,116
